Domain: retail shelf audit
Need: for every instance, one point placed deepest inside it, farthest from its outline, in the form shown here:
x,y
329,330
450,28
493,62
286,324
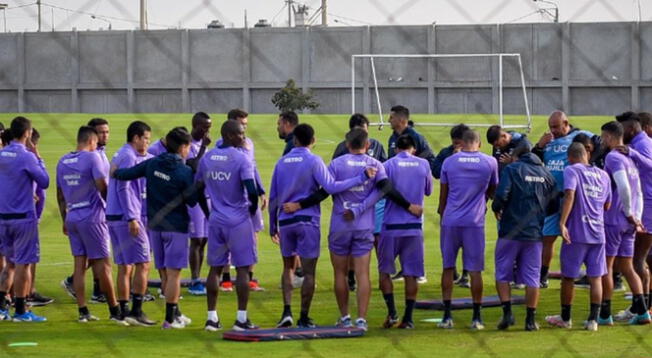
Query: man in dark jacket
x,y
504,143
399,118
525,195
457,133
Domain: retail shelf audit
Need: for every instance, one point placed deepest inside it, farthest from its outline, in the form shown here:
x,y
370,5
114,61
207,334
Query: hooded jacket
x,y
525,195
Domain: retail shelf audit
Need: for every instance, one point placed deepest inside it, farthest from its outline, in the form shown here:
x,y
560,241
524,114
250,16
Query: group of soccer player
x,y
178,200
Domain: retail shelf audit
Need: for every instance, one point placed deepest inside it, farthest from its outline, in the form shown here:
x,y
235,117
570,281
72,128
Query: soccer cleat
x,y
148,297
351,283
285,322
119,320
609,321
558,322
344,322
390,321
297,282
641,319
28,316
477,325
583,282
184,319
244,326
544,283
139,320
406,325
306,323
212,326
398,276
36,300
254,286
506,322
176,324
226,286
464,282
624,315
531,326
517,286
591,325
421,280
446,323
98,298
197,289
84,318
67,286
361,323
4,315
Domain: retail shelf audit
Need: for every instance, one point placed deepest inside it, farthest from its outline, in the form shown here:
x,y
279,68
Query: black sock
x,y
566,312
114,311
20,305
304,315
226,277
170,312
507,308
447,309
251,275
476,311
69,280
83,311
544,273
638,304
124,307
298,272
409,307
351,275
389,302
605,309
96,288
593,313
646,299
3,300
137,304
649,300
529,315
465,273
287,310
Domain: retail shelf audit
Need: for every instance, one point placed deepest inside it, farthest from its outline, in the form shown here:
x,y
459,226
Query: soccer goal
x,y
500,56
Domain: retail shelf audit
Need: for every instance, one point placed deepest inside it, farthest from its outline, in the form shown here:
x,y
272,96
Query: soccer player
x,y
399,118
21,167
228,174
551,148
587,194
402,233
297,175
638,140
376,151
622,222
81,189
525,194
285,128
101,126
127,218
468,180
169,189
646,122
504,143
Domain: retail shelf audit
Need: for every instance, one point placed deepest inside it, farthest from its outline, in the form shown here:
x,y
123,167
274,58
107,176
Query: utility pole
x,y
289,2
324,13
143,14
3,7
38,5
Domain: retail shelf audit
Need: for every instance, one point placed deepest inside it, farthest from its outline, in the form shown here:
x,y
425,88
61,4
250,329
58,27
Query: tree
x,y
291,98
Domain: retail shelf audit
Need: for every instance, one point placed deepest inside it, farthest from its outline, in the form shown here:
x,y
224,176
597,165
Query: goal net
x,y
495,83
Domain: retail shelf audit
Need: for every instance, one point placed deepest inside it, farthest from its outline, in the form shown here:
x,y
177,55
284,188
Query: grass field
x,y
62,336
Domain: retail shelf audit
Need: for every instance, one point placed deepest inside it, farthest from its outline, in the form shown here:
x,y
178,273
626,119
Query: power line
x,y
102,16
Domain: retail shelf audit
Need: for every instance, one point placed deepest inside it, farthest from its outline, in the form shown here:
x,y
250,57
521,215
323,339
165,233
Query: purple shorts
x,y
300,239
355,243
575,254
469,239
90,239
236,243
409,250
257,221
128,249
20,243
646,219
620,242
518,261
198,224
170,249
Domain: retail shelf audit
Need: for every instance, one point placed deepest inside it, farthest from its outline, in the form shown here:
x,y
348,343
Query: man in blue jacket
x,y
399,117
525,194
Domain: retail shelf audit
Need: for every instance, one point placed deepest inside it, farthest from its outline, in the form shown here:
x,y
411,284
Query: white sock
x,y
212,316
242,316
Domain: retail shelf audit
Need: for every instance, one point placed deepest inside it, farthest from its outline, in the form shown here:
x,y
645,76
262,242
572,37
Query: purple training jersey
x,y
468,175
126,198
592,190
296,176
224,170
643,144
157,148
619,163
19,170
76,176
106,166
350,166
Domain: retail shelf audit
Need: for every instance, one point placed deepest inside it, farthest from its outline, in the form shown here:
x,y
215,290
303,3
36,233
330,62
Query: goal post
x,y
500,56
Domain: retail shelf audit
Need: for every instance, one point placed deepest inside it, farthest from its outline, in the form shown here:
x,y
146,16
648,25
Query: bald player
x,y
551,148
468,179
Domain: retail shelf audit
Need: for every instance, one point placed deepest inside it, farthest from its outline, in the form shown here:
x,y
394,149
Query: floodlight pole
x,y
4,14
38,5
143,14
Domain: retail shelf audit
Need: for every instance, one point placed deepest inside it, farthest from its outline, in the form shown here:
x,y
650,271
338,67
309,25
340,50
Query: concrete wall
x,y
589,68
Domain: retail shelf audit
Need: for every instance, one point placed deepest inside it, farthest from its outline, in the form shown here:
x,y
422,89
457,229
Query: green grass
x,y
62,336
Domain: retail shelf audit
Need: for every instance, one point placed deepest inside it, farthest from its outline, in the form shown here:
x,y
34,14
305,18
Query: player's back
x,y
294,179
468,175
410,176
76,175
616,162
223,170
126,157
17,178
592,190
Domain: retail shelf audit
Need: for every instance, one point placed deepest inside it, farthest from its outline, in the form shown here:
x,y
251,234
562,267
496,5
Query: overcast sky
x,y
124,14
